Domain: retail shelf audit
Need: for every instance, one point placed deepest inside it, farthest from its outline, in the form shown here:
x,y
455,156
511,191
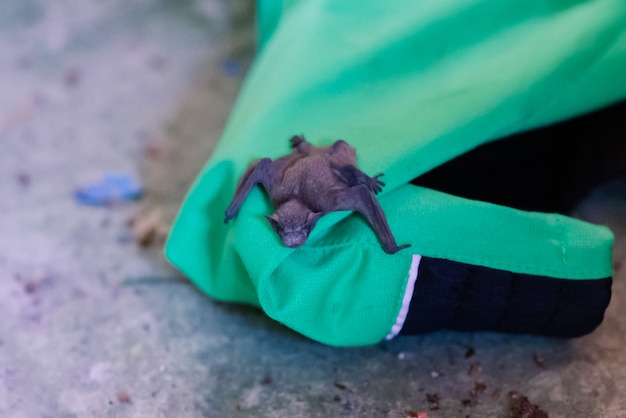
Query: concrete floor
x,y
97,326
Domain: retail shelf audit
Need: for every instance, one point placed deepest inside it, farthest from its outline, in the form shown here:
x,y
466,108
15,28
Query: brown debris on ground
x,y
472,400
475,368
521,407
149,228
539,361
124,397
416,414
433,401
340,386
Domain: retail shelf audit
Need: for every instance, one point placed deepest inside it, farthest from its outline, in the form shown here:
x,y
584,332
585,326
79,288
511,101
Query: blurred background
x,y
108,110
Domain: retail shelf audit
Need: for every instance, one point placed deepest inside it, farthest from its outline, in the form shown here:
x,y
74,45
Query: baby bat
x,y
311,182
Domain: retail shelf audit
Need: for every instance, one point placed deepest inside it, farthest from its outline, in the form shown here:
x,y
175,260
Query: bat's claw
x,y
229,215
395,248
375,185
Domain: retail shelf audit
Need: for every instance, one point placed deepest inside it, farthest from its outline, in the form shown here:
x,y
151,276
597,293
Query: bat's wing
x,y
359,198
259,172
352,176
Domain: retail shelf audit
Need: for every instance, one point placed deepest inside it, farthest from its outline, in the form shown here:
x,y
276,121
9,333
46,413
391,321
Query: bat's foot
x,y
395,248
374,185
296,140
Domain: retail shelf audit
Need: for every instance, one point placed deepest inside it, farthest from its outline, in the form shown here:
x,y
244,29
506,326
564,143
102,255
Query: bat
x,y
310,182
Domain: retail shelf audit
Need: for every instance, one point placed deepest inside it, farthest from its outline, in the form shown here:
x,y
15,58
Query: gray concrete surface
x,y
93,325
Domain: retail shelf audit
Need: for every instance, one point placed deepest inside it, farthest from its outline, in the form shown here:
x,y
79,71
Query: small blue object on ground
x,y
232,67
112,188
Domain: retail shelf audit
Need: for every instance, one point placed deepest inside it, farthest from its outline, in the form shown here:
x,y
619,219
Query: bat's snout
x,y
293,240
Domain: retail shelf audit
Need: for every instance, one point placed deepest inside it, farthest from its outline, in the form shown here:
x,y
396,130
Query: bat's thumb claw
x,y
396,248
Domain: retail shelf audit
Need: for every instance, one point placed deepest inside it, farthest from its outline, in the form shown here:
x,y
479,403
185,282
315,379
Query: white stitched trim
x,y
406,300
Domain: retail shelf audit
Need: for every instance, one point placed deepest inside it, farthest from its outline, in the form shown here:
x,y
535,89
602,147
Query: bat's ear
x,y
273,220
313,218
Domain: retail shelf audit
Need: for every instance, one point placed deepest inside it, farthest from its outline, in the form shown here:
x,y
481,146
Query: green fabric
x,y
410,84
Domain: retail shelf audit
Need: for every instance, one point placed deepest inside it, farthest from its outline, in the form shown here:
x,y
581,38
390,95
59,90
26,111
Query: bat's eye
x,y
312,219
275,224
